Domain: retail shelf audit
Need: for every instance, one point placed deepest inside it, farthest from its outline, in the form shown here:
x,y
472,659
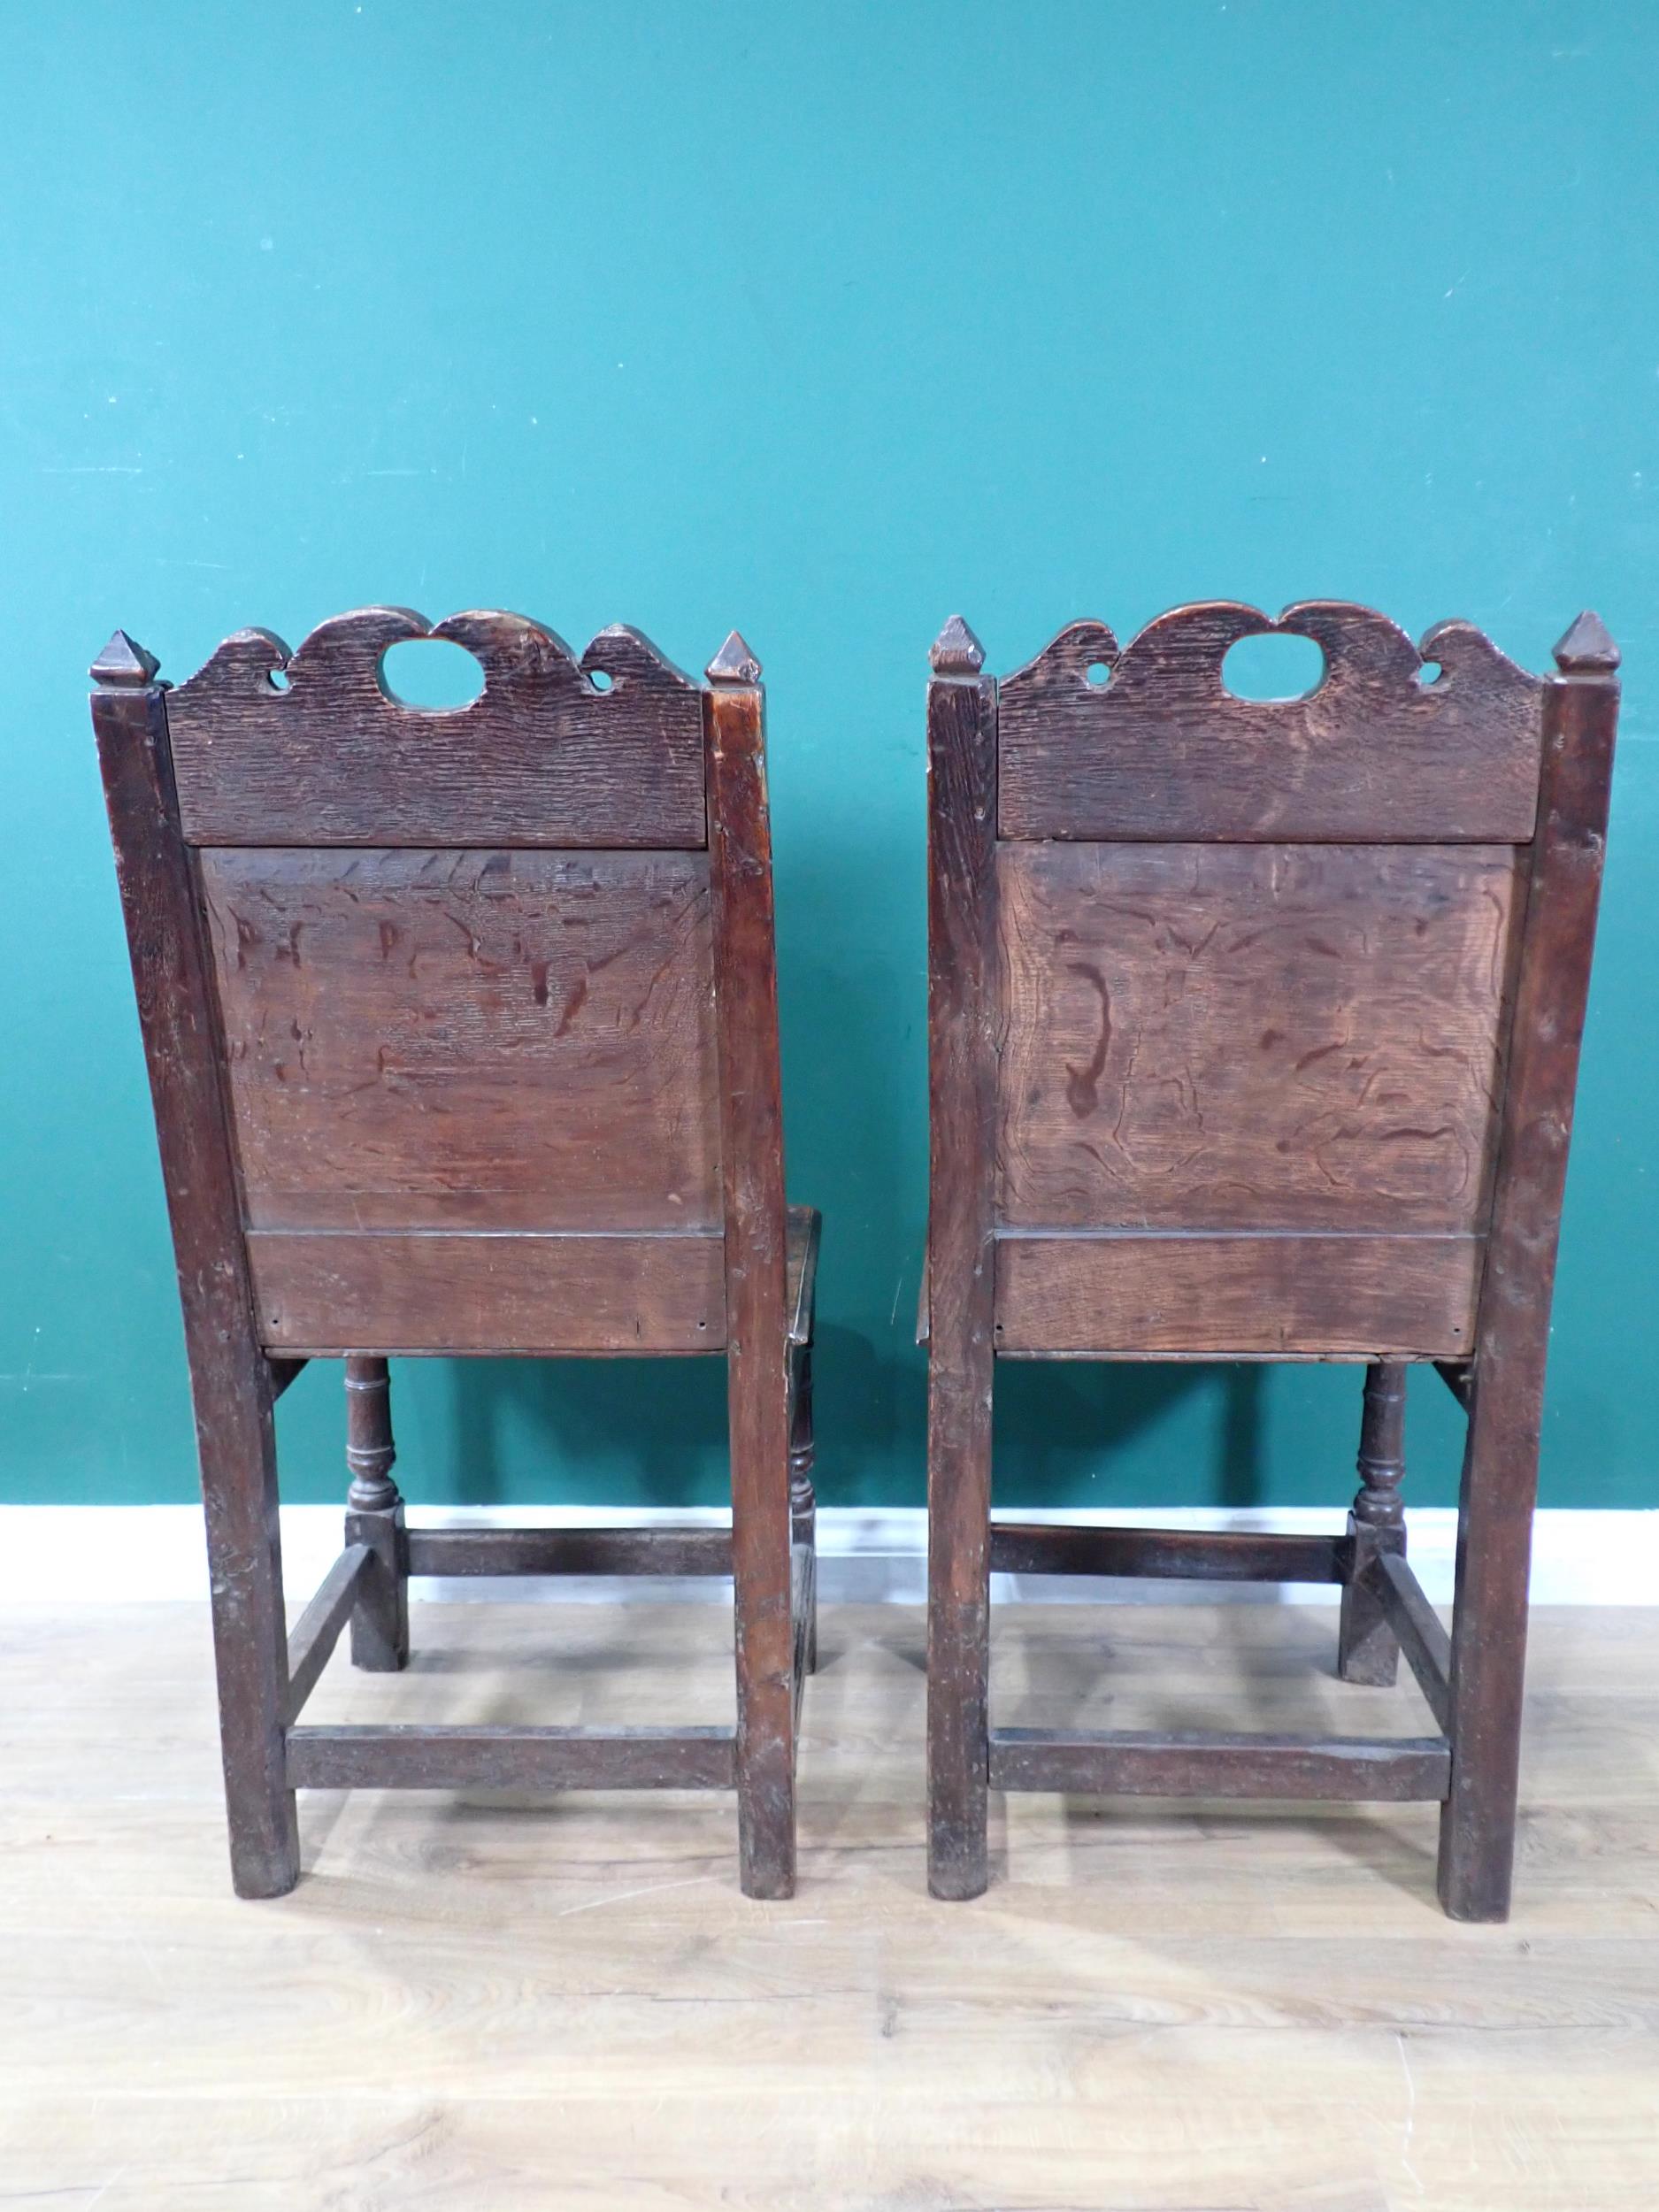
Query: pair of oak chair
x,y
1253,1034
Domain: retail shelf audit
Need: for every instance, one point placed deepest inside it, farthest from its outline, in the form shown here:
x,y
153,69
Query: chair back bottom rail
x,y
1132,1764
509,1758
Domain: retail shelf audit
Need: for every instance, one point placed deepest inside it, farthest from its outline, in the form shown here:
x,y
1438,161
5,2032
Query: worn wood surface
x,y
231,1384
961,1018
757,1312
1417,1628
469,1039
513,1291
1213,1763
312,1644
1188,1294
1284,1012
1289,1037
1165,751
569,1551
541,756
1366,1648
1500,1477
424,1757
521,2004
1052,1547
447,1092
375,1518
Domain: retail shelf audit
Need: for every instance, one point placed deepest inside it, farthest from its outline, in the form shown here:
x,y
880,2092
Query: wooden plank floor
x,y
503,2004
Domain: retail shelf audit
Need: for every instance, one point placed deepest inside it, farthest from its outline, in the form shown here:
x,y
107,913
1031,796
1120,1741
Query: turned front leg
x,y
374,1517
1367,1650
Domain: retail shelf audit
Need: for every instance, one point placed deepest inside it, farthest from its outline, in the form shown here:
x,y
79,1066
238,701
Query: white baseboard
x,y
107,1555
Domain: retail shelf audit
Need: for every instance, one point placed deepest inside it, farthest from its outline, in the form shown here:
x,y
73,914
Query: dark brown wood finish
x,y
374,1518
1185,1293
501,1290
418,1758
1163,750
1131,1764
462,1032
1500,1478
1416,1630
961,1272
231,1382
1051,1548
756,1251
1221,1036
1277,1005
312,747
1366,1648
569,1551
396,1020
312,1645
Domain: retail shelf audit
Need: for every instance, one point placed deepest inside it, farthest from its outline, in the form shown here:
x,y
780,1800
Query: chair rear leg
x,y
374,1517
765,1620
803,1500
244,1550
1494,1549
1367,1650
958,1630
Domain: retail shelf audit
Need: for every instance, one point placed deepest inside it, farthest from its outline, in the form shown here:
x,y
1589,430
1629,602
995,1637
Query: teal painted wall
x,y
825,321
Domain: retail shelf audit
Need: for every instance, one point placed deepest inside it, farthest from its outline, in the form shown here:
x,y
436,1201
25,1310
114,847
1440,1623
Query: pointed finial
x,y
123,661
1587,649
956,650
733,664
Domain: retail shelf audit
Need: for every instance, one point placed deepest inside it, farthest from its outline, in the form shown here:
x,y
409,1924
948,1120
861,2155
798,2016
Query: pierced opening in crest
x,y
278,679
431,673
1273,665
1429,673
601,679
1097,674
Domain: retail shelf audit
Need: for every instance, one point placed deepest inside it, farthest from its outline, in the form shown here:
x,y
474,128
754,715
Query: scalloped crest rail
x,y
1163,750
541,756
1253,1033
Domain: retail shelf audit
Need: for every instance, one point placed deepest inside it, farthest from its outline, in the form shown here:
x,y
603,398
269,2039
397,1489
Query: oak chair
x,y
1254,1034
463,1037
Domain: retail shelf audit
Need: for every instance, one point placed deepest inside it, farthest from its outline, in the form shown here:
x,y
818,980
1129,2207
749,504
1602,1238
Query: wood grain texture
x,y
469,1039
1163,750
232,1387
390,1291
1366,1647
1301,1037
962,1028
757,1308
541,756
1181,2009
508,1758
312,1642
1191,1295
1143,1763
1051,1548
569,1551
1499,1475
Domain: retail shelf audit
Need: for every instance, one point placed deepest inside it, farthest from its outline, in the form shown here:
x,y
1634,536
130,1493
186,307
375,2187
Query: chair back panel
x,y
463,1039
1252,1036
